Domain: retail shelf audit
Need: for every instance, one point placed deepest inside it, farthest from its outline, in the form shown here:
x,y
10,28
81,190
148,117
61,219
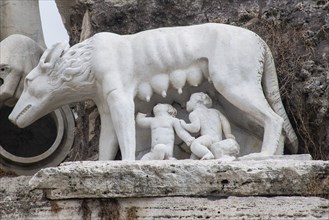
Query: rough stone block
x,y
18,201
122,179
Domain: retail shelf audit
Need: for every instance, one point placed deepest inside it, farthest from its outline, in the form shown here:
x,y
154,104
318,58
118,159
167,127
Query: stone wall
x,y
296,31
272,189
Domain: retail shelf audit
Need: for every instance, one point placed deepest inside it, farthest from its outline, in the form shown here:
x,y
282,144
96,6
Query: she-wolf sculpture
x,y
112,69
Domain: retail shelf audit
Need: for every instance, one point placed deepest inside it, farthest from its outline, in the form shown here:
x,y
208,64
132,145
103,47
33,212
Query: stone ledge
x,y
175,208
122,179
18,201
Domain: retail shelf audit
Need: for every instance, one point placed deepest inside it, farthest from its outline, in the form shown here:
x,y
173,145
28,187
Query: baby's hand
x,y
231,136
182,122
189,141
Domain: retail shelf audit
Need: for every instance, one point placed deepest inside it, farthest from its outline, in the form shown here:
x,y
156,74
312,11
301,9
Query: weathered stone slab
x,y
18,201
306,208
115,179
280,157
228,208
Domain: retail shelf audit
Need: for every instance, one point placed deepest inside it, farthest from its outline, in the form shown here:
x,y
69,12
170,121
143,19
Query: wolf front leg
x,y
108,142
122,109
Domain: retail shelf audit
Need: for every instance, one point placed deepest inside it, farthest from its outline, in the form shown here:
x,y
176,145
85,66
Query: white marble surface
x,y
18,56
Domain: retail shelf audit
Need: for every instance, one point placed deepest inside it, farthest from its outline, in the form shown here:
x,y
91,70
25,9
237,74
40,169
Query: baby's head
x,y
198,98
164,108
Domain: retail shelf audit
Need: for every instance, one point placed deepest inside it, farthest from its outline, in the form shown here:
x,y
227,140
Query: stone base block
x,y
122,179
170,190
17,201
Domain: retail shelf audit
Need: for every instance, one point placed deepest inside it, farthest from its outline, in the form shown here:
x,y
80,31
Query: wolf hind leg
x,y
250,99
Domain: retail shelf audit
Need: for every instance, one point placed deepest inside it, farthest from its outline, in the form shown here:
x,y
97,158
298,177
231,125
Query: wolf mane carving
x,y
112,69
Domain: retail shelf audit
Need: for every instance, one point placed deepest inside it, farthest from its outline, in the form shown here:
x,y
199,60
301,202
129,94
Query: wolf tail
x,y
272,93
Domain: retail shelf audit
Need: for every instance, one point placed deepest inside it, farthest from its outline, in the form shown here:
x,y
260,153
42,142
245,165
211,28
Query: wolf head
x,y
52,83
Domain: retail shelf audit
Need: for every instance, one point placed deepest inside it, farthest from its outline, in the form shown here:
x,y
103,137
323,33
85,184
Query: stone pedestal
x,y
269,189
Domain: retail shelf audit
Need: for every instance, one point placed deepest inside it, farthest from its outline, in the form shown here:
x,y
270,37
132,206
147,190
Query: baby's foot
x,y
254,156
226,158
208,156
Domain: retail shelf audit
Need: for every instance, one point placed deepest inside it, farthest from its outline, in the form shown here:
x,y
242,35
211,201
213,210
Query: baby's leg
x,y
228,147
160,151
200,146
157,153
194,157
148,156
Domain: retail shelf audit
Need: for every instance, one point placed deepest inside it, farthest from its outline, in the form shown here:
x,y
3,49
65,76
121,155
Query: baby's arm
x,y
182,133
195,124
226,126
142,121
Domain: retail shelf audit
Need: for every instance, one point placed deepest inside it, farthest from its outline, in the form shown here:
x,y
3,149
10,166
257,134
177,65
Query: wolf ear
x,y
52,54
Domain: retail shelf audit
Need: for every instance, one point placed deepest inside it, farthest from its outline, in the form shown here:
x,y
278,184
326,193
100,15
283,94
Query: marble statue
x,y
113,69
21,17
211,123
19,55
163,125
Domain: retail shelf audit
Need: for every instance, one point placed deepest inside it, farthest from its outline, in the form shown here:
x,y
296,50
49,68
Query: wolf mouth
x,y
23,111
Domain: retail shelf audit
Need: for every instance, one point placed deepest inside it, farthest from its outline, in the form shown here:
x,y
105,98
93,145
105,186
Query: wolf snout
x,y
12,119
